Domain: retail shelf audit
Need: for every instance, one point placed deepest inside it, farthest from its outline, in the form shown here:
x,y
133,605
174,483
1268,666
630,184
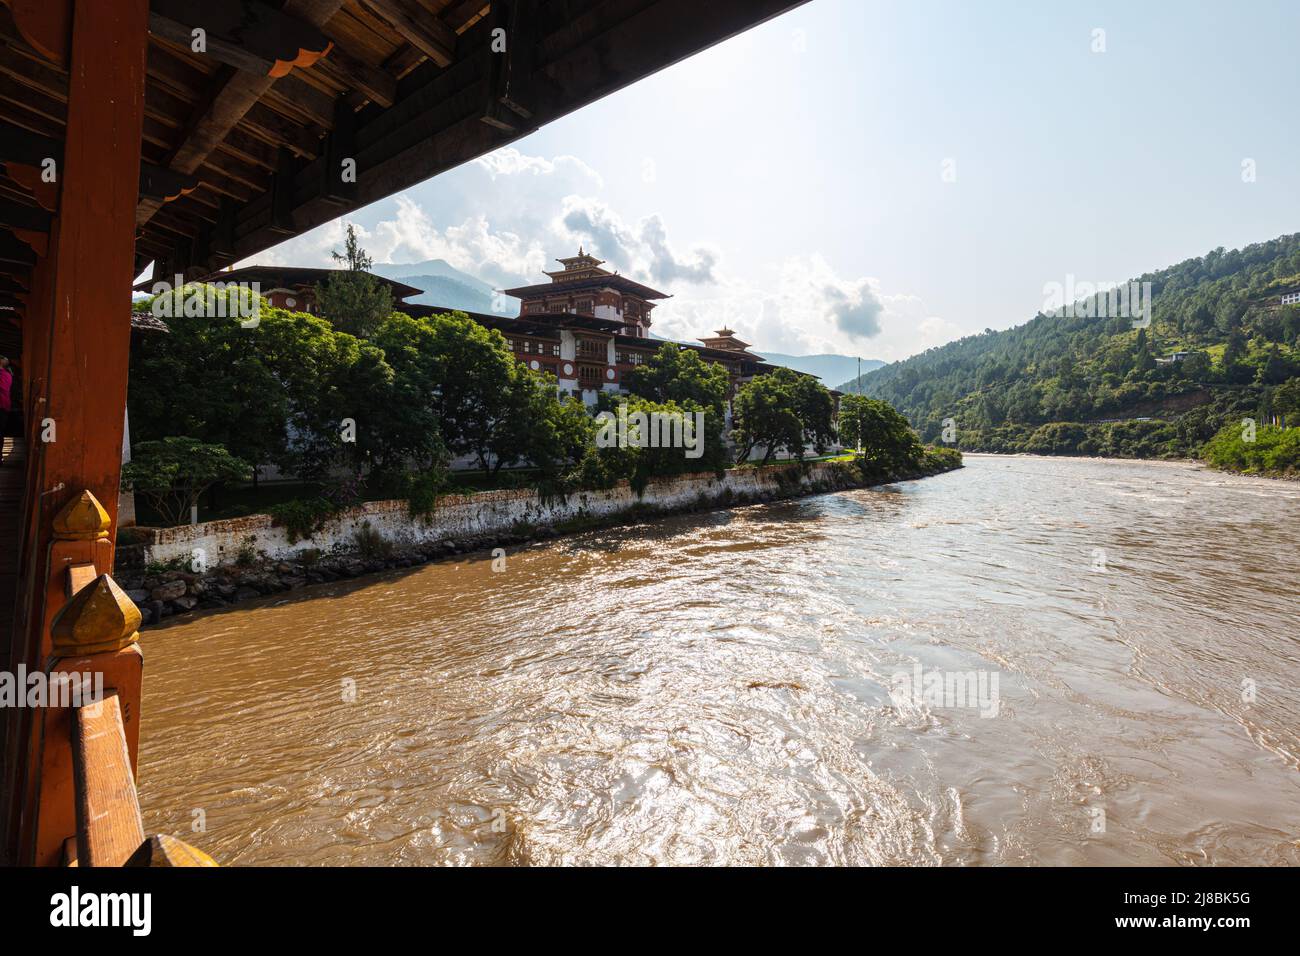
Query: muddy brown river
x,y
1029,661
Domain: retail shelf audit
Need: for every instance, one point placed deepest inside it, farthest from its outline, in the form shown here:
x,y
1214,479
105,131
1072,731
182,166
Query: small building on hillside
x,y
1278,297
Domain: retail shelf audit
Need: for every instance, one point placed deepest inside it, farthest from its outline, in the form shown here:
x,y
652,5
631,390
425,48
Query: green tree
x,y
815,408
763,413
456,378
1275,369
352,298
888,442
210,378
173,472
536,427
639,440
676,374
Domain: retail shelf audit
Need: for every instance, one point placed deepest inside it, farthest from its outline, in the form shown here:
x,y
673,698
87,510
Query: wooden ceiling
x,y
247,143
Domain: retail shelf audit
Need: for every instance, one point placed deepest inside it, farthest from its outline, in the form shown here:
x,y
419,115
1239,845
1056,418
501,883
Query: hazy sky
x,y
874,178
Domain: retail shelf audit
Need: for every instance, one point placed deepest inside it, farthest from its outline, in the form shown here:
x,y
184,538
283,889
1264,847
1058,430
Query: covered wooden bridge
x,y
192,134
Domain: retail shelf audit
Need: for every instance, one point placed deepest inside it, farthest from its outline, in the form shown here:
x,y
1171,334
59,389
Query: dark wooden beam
x,y
427,33
15,252
511,75
20,216
236,96
374,83
35,73
282,196
245,34
14,286
21,145
158,182
339,161
223,236
458,15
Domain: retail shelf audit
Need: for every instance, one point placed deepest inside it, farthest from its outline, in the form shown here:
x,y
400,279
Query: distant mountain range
x,y
443,284
828,367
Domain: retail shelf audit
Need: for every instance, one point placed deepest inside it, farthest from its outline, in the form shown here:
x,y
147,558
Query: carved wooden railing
x,y
89,812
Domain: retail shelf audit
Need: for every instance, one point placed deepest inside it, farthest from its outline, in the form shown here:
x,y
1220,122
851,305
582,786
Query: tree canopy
x,y
782,410
675,374
352,298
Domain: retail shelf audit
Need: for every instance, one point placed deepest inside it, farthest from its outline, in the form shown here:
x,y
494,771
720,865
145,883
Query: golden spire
x,y
100,617
81,519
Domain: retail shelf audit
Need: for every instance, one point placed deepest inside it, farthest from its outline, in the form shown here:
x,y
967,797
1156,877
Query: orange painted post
x,y
81,389
94,638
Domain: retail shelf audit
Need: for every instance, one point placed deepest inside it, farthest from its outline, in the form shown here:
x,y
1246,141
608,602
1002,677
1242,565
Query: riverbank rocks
x,y
161,593
169,591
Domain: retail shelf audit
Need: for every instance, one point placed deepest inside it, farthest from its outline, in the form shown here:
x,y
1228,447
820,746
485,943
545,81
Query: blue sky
x,y
875,178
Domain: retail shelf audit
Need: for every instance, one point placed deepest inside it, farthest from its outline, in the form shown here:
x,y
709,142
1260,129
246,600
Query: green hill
x,y
1219,348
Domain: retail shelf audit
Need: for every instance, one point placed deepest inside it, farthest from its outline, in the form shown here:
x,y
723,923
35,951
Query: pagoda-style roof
x,y
604,280
581,266
724,340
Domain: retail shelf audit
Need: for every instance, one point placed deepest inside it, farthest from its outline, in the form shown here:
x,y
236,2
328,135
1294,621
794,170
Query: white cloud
x,y
503,217
510,162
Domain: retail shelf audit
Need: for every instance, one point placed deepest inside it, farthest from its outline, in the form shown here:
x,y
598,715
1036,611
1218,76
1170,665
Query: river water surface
x,y
717,688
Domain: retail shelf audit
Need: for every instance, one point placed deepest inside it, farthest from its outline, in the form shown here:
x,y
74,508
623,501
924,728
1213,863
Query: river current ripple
x,y
716,688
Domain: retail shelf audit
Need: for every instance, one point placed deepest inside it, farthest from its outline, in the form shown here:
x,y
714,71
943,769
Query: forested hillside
x,y
1220,347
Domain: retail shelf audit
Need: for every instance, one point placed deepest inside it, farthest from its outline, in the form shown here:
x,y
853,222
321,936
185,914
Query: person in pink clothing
x,y
6,385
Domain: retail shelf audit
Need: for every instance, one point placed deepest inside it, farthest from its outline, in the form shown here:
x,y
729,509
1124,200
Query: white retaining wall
x,y
462,518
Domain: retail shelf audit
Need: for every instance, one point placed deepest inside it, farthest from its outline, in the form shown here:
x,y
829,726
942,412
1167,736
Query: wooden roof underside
x,y
242,144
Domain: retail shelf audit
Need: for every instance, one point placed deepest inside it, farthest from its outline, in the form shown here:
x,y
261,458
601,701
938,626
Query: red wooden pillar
x,y
85,343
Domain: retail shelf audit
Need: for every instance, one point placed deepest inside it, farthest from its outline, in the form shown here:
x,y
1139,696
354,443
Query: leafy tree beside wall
x,y
174,472
782,410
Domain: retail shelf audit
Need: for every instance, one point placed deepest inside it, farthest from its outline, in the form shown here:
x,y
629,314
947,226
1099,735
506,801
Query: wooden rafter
x,y
427,33
237,95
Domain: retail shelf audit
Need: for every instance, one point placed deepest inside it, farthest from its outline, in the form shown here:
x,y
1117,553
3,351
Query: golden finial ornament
x,y
99,618
81,519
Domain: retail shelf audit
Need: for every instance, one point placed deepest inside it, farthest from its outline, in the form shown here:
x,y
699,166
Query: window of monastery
x,y
584,306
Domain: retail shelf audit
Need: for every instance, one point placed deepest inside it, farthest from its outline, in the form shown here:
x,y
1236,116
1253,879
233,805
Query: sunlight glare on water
x,y
715,688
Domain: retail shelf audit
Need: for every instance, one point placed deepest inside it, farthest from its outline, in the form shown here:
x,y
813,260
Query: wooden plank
x,y
109,825
373,82
79,575
231,103
426,32
461,16
44,25
245,34
37,74
15,215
